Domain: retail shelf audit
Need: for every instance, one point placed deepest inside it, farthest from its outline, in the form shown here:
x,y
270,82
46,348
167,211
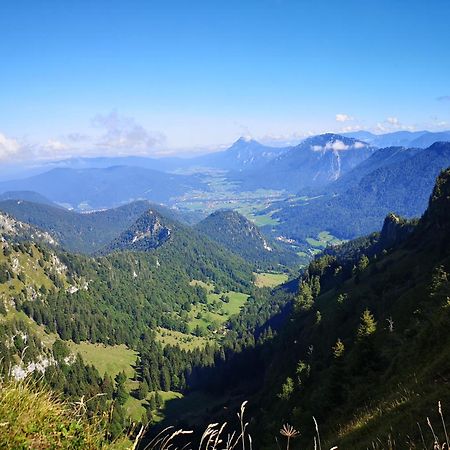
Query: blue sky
x,y
112,77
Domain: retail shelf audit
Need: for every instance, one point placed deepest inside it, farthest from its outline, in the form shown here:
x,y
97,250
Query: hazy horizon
x,y
149,78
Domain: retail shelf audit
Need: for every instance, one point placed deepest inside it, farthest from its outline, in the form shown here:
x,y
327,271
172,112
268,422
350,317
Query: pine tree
x,y
363,263
338,349
152,402
158,399
142,390
368,325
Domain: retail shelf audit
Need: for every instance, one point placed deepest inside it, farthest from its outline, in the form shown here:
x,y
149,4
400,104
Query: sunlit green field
x,y
107,359
267,279
322,240
211,316
184,341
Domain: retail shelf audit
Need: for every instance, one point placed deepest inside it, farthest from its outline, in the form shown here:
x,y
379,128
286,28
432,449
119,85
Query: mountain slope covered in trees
x,y
236,233
366,347
352,210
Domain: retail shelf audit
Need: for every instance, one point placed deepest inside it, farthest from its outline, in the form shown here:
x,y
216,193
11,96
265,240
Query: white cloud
x,y
343,118
124,134
336,145
349,128
393,124
8,147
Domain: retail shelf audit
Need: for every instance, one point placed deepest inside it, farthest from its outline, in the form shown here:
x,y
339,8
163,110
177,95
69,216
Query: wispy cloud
x,y
393,123
125,134
443,98
343,117
350,128
9,147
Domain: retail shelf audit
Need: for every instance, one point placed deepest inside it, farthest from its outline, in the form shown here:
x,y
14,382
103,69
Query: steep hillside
x,y
236,233
316,161
366,349
174,245
11,228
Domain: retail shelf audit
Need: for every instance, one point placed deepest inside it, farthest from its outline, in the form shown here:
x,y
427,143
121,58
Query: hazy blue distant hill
x,y
428,139
316,161
244,154
28,196
103,188
395,139
421,139
162,164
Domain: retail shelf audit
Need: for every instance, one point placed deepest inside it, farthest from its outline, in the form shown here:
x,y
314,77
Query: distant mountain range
x,y
316,161
242,155
392,179
418,139
349,184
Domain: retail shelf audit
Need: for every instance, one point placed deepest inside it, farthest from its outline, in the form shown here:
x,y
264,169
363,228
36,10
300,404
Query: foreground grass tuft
x,y
33,418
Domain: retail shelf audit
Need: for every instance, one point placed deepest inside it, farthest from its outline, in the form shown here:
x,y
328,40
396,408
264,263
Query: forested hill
x,y
77,232
367,349
174,244
236,233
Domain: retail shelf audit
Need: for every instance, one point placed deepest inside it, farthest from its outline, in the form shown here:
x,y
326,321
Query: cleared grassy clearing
x,y
322,240
208,286
184,341
135,408
268,279
210,316
107,359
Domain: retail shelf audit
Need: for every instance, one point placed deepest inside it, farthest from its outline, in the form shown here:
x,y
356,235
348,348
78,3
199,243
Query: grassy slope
x,y
33,418
269,279
184,341
215,312
107,359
